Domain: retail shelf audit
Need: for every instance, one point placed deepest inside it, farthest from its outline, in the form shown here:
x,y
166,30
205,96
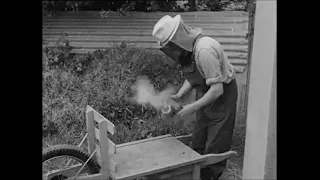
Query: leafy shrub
x,y
235,6
221,5
65,5
105,84
51,6
60,56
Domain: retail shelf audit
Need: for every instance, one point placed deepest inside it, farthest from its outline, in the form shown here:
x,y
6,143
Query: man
x,y
207,69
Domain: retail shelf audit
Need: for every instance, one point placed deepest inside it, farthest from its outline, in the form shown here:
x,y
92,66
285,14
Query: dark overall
x,y
214,123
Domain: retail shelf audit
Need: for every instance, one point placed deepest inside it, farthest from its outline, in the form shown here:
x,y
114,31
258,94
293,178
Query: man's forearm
x,y
215,91
186,87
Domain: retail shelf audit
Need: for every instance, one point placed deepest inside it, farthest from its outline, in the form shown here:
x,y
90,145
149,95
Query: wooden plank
x,y
241,81
104,154
112,162
68,172
88,177
185,176
111,145
90,129
196,172
98,118
143,141
210,159
152,157
260,160
215,158
175,172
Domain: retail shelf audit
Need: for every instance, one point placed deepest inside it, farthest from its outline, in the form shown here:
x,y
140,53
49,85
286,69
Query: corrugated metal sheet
x,y
87,31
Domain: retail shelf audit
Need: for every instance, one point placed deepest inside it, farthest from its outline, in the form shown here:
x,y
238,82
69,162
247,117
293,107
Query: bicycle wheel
x,y
65,156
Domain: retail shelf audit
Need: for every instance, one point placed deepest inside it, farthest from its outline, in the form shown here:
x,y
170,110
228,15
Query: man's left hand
x,y
187,110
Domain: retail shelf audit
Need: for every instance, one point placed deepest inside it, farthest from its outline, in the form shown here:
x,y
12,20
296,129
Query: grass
x,y
105,85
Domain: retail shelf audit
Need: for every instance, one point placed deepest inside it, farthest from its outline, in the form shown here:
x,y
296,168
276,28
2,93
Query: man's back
x,y
209,48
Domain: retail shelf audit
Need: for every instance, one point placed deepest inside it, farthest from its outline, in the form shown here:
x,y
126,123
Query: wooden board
x,y
187,171
151,157
98,118
173,173
111,145
112,166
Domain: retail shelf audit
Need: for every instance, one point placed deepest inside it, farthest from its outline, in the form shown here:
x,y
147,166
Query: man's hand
x,y
187,110
176,97
186,87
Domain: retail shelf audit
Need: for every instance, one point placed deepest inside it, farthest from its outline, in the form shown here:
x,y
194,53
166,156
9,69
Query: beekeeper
x,y
207,69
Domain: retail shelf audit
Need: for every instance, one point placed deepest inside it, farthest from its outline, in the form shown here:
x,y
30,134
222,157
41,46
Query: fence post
x,y
260,145
249,36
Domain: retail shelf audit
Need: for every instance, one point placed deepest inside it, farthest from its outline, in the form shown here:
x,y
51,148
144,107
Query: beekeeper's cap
x,y
175,30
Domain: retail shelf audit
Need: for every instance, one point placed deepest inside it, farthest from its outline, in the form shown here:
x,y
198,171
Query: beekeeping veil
x,y
175,30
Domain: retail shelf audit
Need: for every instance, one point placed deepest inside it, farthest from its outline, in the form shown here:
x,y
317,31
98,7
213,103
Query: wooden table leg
x,y
196,172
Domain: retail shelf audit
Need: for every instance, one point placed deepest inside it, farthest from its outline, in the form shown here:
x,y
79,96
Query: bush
x,y
128,5
141,5
235,6
221,5
105,84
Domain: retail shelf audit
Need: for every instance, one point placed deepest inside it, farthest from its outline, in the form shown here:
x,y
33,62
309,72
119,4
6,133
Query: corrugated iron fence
x,y
88,31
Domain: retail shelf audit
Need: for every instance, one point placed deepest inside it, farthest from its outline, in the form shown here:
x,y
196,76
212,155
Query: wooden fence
x,y
88,31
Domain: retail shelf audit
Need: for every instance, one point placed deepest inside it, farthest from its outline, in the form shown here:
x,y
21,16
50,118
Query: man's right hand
x,y
186,87
175,97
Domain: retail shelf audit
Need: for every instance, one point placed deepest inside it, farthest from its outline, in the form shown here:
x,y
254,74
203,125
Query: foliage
x,y
51,6
104,82
252,10
122,7
60,56
65,5
221,5
128,6
235,6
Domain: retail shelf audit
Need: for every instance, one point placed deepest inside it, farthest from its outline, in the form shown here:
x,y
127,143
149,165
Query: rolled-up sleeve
x,y
210,66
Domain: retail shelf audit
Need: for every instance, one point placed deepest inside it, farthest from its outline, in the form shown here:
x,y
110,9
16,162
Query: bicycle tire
x,y
72,151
